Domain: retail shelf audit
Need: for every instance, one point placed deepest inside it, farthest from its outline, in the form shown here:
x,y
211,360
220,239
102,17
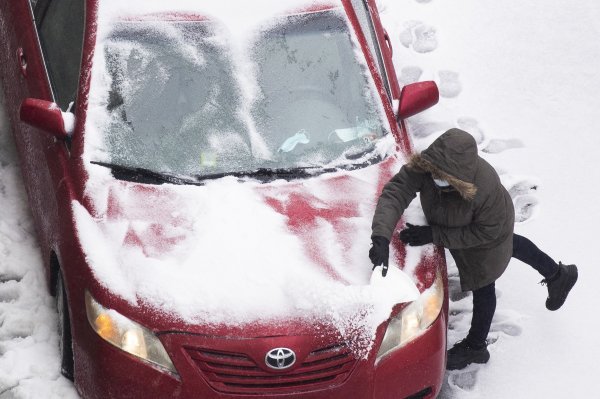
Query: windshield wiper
x,y
148,176
143,175
268,174
353,156
372,160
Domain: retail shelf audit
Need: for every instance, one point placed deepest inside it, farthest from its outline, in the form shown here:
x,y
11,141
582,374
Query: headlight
x,y
414,319
127,335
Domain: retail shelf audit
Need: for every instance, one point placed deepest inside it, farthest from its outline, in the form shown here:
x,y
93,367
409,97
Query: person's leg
x,y
527,252
484,307
559,278
473,349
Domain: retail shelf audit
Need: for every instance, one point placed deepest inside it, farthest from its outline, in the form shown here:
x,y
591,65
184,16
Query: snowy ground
x,y
522,78
524,74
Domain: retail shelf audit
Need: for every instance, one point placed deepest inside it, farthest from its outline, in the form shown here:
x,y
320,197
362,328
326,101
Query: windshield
x,y
179,102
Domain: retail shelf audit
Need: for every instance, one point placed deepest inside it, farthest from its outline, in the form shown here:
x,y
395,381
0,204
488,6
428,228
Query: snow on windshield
x,y
223,253
209,93
172,106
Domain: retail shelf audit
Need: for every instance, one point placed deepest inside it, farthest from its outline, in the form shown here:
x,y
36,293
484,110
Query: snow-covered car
x,y
202,177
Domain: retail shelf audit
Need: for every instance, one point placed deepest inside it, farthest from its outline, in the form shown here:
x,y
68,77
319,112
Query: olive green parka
x,y
475,221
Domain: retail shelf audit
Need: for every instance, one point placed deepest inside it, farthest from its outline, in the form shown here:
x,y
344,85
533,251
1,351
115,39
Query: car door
x,y
45,67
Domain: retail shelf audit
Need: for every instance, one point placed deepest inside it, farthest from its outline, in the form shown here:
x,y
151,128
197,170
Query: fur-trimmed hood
x,y
451,157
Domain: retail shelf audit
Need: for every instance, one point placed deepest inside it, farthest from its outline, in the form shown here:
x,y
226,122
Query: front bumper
x,y
227,368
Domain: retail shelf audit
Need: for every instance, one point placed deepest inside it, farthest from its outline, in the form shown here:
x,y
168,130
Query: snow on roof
x,y
236,15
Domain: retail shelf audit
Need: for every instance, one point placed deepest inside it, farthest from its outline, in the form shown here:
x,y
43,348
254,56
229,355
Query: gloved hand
x,y
380,253
416,235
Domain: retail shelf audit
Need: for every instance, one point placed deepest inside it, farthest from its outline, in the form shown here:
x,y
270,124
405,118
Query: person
x,y
470,213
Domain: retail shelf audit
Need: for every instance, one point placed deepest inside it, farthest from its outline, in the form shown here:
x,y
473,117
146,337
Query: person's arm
x,y
488,222
395,198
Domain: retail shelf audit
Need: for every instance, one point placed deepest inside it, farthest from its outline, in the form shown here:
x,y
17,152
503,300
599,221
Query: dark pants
x,y
484,298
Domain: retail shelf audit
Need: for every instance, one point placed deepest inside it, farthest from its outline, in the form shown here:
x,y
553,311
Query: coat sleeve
x,y
488,223
395,198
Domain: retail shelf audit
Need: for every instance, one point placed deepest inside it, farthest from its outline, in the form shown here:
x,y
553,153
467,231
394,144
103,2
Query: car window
x,y
364,19
60,26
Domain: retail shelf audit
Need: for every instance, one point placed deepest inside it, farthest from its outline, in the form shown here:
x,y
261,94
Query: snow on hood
x,y
231,253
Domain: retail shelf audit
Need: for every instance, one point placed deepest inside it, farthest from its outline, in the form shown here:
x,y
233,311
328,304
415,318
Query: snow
x,y
255,275
69,121
522,78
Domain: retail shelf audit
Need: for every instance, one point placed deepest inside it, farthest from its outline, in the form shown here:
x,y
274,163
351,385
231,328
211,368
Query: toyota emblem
x,y
280,358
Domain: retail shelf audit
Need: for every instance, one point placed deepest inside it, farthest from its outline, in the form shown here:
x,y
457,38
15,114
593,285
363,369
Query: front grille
x,y
239,373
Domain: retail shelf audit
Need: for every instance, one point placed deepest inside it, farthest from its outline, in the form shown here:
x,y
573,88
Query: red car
x,y
202,181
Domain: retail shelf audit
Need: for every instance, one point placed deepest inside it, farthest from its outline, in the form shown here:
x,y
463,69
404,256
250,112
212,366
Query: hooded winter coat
x,y
475,221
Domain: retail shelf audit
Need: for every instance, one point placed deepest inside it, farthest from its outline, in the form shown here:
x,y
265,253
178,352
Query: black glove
x,y
416,235
380,253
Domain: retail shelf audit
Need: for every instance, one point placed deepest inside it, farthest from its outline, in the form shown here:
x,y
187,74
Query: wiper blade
x,y
359,165
143,175
268,174
352,156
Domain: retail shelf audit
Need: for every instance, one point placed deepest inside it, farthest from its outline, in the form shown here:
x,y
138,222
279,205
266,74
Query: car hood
x,y
240,252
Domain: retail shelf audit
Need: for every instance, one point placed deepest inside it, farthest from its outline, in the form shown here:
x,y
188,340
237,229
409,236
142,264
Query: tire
x,y
65,341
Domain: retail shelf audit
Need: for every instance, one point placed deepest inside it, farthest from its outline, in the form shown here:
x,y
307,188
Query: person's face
x,y
442,185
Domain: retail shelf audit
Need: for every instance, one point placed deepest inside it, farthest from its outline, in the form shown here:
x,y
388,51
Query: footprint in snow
x,y
6,393
464,379
421,37
410,74
425,129
9,277
523,195
9,291
458,381
449,84
525,207
497,146
504,323
454,291
507,328
15,329
471,126
524,187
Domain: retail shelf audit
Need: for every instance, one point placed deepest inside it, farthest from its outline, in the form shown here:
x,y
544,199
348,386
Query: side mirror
x,y
47,116
417,97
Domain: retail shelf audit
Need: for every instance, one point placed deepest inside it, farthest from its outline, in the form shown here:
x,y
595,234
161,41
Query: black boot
x,y
559,285
462,354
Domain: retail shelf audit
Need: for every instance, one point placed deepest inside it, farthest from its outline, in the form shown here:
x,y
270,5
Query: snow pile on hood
x,y
225,254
